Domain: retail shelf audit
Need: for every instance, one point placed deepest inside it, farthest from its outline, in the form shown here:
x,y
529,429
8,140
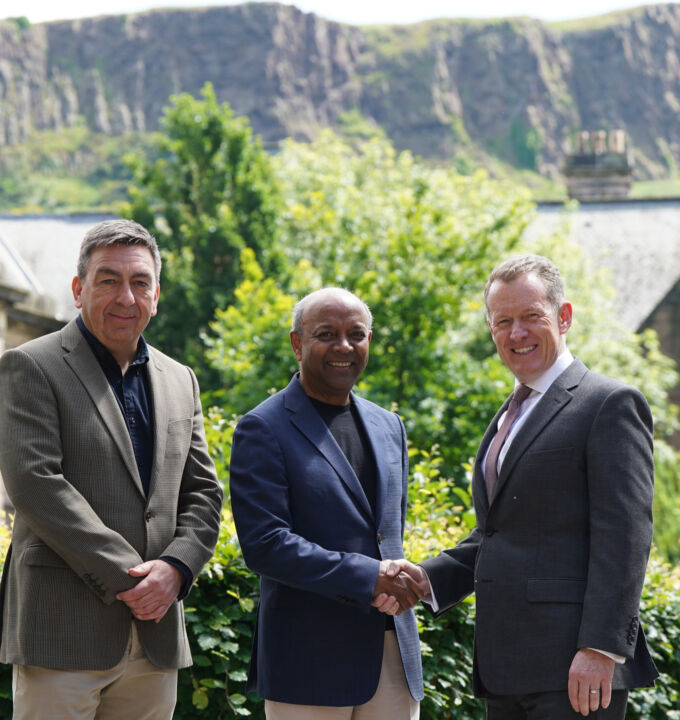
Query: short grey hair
x,y
299,308
117,232
518,265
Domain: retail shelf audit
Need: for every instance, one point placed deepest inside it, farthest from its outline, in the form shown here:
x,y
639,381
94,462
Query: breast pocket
x,y
179,438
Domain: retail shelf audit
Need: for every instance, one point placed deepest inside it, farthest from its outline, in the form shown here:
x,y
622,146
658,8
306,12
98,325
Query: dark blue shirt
x,y
134,399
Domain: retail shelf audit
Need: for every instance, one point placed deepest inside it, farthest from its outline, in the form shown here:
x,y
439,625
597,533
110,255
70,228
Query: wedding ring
x,y
594,692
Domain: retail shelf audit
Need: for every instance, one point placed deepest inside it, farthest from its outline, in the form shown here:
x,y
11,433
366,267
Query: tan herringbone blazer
x,y
82,519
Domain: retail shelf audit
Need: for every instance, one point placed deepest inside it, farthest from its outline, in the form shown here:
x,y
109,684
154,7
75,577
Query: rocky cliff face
x,y
516,88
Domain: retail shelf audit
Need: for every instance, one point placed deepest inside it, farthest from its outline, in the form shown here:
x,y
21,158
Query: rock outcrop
x,y
515,88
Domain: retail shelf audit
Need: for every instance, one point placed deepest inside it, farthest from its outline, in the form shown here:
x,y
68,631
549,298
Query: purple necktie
x,y
490,466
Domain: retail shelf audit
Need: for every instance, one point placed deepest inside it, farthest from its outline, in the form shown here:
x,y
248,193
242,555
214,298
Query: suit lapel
x,y
375,431
82,361
160,417
481,500
309,423
556,397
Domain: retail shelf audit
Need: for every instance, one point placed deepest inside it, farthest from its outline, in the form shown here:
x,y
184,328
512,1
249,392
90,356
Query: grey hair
x,y
117,232
518,265
299,308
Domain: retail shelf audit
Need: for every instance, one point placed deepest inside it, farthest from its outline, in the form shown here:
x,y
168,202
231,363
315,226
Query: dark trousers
x,y
550,706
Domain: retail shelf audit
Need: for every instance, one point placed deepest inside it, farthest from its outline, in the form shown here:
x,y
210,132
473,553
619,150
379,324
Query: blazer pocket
x,y
179,437
182,426
42,556
556,590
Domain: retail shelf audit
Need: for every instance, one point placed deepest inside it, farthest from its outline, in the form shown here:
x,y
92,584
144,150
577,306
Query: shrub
x,y
221,609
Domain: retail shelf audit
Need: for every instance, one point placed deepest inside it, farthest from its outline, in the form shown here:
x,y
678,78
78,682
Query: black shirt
x,y
345,425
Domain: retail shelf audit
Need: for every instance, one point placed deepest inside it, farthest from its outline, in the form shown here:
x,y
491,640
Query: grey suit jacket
x,y
82,518
557,561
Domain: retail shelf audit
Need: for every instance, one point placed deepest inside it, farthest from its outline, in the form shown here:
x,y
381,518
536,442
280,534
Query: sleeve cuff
x,y
187,577
430,599
618,659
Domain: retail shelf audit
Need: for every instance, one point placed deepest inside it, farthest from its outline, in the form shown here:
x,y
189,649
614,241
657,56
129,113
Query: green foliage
x,y
521,146
220,618
416,244
439,513
21,23
70,170
352,124
247,335
208,194
660,610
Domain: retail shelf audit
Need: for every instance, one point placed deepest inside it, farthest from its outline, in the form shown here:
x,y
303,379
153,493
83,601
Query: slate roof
x,y
45,247
638,242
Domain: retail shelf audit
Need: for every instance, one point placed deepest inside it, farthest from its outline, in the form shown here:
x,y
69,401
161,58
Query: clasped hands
x,y
400,586
155,593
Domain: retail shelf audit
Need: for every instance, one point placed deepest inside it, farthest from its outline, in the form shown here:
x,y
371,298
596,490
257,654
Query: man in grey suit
x,y
562,487
103,453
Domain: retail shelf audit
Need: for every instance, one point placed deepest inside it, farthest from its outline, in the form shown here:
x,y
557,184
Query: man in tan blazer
x,y
103,453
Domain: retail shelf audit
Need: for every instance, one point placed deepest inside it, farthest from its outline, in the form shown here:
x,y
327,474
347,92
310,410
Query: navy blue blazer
x,y
306,527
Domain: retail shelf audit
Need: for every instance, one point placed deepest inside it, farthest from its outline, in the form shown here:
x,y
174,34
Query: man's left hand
x,y
590,681
152,596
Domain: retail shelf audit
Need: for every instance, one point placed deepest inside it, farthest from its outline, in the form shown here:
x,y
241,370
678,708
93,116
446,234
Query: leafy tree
x,y
417,244
208,194
249,343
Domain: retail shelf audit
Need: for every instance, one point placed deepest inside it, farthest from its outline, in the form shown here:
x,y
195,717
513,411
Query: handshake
x,y
400,586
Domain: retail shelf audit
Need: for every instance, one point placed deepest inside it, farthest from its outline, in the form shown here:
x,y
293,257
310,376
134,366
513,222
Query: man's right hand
x,y
399,587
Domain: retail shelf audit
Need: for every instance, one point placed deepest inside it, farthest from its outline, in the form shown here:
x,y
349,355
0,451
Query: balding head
x,y
320,296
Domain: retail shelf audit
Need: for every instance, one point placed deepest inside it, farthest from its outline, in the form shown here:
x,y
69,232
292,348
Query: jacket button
x,y
490,532
148,516
379,538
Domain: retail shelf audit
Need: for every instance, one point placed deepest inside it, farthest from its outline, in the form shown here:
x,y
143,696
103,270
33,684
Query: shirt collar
x,y
542,383
104,355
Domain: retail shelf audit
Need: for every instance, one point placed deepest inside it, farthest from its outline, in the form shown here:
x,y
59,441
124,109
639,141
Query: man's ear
x,y
296,344
565,317
154,307
77,288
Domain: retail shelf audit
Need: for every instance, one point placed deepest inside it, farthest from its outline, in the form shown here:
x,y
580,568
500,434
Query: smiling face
x,y
333,347
117,297
528,331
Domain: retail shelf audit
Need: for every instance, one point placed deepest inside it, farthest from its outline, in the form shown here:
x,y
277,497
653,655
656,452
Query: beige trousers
x,y
132,690
392,699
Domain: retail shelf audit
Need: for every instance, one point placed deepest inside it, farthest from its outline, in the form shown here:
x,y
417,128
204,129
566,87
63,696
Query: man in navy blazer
x,y
318,484
564,521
